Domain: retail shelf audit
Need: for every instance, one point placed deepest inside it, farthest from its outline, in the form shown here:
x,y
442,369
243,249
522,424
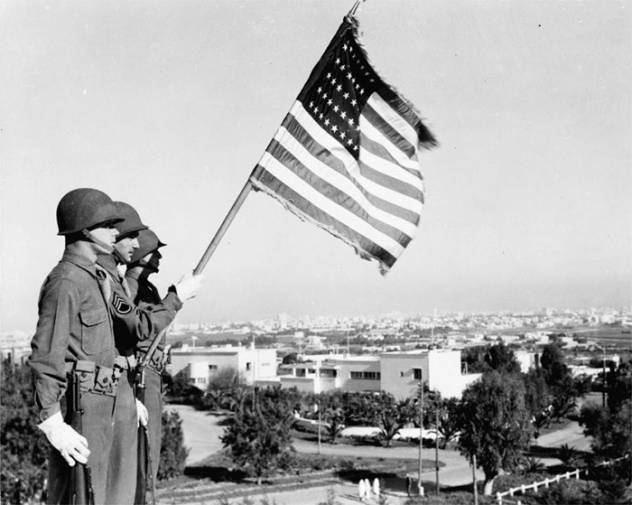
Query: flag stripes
x,y
307,211
346,155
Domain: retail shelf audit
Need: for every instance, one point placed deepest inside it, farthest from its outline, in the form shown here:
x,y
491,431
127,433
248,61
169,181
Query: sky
x,y
169,105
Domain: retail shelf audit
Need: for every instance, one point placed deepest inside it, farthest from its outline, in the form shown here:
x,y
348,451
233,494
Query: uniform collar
x,y
108,262
80,261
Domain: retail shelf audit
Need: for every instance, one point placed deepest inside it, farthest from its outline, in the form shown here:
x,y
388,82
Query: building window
x,y
248,366
300,372
372,376
417,374
356,375
212,367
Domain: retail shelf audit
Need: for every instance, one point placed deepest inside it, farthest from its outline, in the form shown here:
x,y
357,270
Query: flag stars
x,y
333,81
342,67
345,95
350,121
345,47
336,108
324,95
329,75
330,101
342,134
316,110
355,148
350,142
362,91
337,61
339,87
343,114
319,90
320,116
334,128
327,122
354,101
349,75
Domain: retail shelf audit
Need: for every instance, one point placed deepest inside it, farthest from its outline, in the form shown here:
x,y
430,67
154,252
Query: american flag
x,y
346,155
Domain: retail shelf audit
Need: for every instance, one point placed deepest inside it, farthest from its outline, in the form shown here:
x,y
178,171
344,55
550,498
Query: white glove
x,y
71,445
188,286
141,414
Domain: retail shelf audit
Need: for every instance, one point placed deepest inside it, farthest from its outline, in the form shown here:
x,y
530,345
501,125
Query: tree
x,y
611,427
559,379
448,420
334,417
539,401
501,358
392,415
173,453
258,434
23,448
494,423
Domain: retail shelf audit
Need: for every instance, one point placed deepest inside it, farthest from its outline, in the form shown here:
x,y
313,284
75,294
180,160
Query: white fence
x,y
543,483
553,480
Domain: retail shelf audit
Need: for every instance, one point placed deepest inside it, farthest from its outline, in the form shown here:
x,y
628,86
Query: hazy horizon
x,y
169,105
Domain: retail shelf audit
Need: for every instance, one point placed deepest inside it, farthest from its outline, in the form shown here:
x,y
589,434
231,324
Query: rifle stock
x,y
80,481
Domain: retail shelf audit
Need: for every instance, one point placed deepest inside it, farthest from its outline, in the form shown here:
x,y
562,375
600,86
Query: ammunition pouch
x,y
93,378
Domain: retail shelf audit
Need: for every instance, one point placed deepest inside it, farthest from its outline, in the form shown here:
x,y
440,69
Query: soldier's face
x,y
126,247
104,235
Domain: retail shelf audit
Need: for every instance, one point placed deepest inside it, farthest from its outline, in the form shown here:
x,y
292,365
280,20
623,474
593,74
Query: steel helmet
x,y
148,242
85,208
131,222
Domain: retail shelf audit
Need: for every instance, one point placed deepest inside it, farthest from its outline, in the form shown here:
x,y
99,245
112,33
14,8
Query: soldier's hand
x,y
141,414
70,444
188,286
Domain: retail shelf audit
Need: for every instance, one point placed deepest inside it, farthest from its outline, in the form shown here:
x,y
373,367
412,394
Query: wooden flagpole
x,y
223,227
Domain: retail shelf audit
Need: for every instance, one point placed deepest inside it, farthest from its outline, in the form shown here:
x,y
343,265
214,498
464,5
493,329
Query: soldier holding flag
x,y
83,352
131,325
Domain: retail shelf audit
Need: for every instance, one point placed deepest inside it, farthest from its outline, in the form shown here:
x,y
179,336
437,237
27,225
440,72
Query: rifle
x,y
145,463
80,486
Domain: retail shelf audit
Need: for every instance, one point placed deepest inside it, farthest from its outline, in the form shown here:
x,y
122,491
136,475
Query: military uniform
x,y
131,325
146,295
74,330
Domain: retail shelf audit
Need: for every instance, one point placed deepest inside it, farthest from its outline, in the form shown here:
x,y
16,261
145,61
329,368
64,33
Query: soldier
x,y
131,325
74,342
144,262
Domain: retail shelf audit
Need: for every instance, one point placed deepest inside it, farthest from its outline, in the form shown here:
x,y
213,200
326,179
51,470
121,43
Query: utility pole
x,y
319,419
603,363
437,448
421,429
474,479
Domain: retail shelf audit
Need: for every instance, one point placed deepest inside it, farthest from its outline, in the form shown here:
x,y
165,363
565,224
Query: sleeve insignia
x,y
121,305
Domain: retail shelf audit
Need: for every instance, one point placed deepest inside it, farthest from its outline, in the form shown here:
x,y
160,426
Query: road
x,y
202,433
201,436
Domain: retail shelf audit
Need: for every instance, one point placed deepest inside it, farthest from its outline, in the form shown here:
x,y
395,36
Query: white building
x,y
440,369
199,364
397,373
526,360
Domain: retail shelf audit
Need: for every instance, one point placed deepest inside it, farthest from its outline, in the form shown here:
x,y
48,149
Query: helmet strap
x,y
90,238
119,257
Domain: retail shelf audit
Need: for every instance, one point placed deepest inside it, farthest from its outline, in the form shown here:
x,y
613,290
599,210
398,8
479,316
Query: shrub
x,y
575,492
173,453
24,449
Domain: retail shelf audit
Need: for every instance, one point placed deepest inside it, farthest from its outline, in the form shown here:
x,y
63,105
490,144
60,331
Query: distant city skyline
x,y
168,106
